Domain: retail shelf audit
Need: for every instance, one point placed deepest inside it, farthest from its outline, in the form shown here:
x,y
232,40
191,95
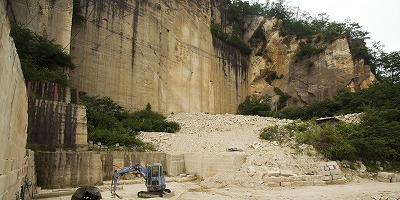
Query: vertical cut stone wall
x,y
73,169
16,167
158,52
64,169
55,125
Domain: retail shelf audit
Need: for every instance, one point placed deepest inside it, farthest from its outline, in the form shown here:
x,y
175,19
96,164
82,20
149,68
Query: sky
x,y
380,18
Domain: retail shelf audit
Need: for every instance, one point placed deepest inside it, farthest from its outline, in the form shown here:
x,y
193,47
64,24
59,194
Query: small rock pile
x,y
321,174
354,118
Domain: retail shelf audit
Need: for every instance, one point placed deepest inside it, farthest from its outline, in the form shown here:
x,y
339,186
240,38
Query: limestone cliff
x,y
157,52
317,78
163,53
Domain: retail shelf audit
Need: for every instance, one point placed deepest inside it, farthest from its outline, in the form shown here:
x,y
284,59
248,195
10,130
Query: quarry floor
x,y
210,134
192,191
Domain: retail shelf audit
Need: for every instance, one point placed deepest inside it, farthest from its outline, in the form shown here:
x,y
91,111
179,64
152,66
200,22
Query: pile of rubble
x,y
201,122
354,118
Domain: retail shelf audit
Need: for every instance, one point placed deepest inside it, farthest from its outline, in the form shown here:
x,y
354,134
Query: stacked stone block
x,y
323,173
331,172
388,177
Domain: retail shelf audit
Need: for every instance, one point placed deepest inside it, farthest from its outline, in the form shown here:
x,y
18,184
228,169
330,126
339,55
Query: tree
x,y
255,105
390,62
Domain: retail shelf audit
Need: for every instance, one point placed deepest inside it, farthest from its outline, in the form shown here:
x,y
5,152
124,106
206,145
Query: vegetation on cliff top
x,y
316,31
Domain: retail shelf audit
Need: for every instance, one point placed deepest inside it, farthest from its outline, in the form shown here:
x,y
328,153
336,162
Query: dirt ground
x,y
216,133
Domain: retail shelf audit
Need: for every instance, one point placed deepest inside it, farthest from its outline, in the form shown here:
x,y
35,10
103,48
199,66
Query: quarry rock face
x,y
162,53
158,52
16,163
316,78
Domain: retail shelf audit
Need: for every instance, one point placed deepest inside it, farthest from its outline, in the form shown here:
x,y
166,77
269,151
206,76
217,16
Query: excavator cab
x,y
155,180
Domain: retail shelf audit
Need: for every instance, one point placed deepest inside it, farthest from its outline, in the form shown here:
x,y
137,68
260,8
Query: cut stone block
x,y
302,183
396,178
319,183
331,163
286,184
385,177
287,173
273,184
272,179
327,178
339,181
336,172
338,176
324,173
273,173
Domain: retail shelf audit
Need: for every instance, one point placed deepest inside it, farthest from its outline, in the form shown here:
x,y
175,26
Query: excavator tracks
x,y
161,193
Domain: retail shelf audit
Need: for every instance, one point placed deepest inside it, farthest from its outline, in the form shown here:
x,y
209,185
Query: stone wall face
x,y
158,52
15,168
68,169
73,169
54,125
207,165
48,18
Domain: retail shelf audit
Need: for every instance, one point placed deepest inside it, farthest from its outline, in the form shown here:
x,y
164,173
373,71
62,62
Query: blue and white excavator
x,y
153,176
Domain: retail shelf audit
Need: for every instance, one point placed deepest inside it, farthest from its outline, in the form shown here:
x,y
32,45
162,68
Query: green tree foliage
x,y
319,30
41,59
390,63
306,50
377,137
109,123
77,17
232,39
330,140
283,97
255,105
236,13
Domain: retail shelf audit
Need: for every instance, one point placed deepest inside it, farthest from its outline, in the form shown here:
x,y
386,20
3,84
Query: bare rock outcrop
x,y
305,80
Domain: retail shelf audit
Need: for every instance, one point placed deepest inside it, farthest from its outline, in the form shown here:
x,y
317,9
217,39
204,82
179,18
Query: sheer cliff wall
x,y
158,52
16,163
162,52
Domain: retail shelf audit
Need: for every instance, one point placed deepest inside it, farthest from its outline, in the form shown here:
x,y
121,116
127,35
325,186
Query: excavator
x,y
153,176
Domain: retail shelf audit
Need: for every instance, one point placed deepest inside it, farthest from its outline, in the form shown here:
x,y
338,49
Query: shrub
x,y
283,97
41,59
330,140
109,123
229,38
255,105
306,50
291,113
379,136
269,133
271,76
